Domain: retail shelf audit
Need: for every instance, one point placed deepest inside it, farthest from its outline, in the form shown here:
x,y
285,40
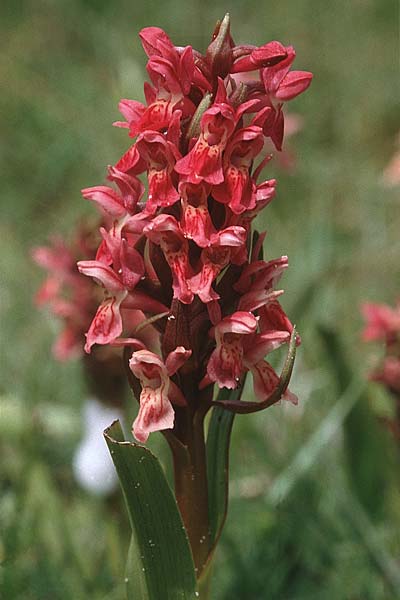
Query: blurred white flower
x,y
92,463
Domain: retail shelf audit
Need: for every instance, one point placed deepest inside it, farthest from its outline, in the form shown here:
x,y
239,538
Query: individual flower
x,y
238,188
158,391
282,85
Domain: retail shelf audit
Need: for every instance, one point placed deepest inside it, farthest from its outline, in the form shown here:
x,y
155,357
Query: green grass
x,y
315,507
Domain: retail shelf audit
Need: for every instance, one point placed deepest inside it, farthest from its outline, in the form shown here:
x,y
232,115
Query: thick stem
x,y
191,489
204,583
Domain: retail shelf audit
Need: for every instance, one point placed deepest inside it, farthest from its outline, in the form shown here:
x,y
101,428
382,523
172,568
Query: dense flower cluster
x,y
383,324
181,246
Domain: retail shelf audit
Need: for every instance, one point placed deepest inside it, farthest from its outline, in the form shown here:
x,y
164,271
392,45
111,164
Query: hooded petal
x,y
273,317
132,265
107,199
131,188
101,273
293,84
237,187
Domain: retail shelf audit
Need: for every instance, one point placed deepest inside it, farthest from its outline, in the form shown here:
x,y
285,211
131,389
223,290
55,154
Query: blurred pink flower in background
x,y
382,324
391,173
69,296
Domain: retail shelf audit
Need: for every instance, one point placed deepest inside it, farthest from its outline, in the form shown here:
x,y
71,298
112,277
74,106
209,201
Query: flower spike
x,y
177,229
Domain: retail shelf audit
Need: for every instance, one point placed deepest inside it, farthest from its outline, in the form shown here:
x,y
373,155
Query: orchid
x,y
184,251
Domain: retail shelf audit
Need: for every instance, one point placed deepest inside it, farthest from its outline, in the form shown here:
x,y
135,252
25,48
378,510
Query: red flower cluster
x,y
181,248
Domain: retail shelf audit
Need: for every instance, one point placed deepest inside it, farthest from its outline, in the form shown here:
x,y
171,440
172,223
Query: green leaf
x,y
218,440
160,563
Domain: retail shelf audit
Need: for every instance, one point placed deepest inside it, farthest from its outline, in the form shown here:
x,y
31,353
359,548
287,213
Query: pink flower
x,y
107,322
250,58
214,258
173,72
225,365
158,391
240,348
259,280
120,286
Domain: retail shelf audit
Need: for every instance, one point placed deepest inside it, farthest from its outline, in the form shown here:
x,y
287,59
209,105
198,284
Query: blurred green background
x,y
315,504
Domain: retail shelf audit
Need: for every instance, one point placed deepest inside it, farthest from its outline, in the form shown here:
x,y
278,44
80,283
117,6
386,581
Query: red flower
x,y
166,232
282,85
238,188
204,161
214,258
196,221
152,152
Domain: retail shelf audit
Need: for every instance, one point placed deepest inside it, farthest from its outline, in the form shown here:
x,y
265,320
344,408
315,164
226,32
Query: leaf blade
x,y
160,563
218,442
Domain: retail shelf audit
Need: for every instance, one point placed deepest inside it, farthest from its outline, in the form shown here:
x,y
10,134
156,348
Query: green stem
x,y
191,489
204,583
